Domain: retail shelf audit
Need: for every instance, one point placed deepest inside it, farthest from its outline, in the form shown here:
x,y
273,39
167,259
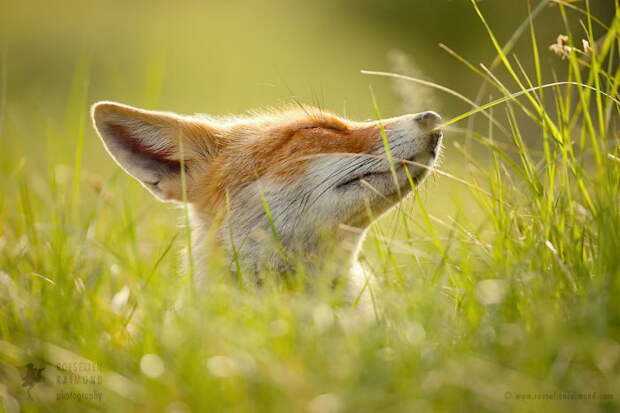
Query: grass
x,y
510,303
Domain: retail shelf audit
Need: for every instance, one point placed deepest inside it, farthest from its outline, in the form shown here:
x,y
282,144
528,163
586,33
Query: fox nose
x,y
427,120
434,140
434,143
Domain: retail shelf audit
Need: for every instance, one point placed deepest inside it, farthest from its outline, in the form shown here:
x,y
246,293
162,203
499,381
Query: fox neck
x,y
328,251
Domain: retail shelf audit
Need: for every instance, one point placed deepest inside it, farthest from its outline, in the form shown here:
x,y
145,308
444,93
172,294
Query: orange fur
x,y
279,146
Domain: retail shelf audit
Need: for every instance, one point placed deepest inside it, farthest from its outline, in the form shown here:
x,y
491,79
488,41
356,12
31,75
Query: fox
x,y
270,187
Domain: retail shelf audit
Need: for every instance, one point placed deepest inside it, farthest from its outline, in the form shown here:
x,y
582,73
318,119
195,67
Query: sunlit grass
x,y
516,293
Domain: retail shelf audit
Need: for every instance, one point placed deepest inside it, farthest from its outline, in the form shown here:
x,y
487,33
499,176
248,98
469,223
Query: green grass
x,y
516,294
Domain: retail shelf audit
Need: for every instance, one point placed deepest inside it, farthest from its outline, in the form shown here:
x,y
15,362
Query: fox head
x,y
293,175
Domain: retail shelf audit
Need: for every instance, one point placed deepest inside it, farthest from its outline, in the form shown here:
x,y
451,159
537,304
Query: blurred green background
x,y
222,57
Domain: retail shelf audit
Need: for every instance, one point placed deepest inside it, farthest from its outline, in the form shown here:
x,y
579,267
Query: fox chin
x,y
275,189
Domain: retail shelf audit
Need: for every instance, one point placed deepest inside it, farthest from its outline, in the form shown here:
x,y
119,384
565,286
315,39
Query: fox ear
x,y
150,145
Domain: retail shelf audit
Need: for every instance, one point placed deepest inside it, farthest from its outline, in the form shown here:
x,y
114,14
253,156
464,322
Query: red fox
x,y
290,175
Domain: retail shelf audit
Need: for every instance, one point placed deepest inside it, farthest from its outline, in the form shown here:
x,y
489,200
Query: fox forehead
x,y
293,138
281,145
